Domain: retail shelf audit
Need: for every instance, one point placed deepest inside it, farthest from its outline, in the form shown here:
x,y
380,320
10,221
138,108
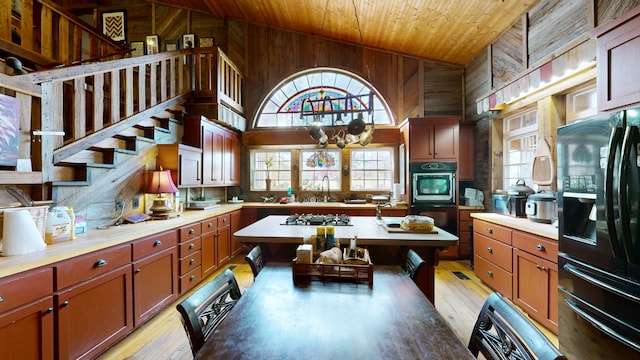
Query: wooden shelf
x,y
15,177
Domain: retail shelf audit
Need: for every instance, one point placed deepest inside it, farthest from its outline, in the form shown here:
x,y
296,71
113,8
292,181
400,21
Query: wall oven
x,y
433,183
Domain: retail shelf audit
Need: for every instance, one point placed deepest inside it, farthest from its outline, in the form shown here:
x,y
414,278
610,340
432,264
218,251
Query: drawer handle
x,y
192,231
191,246
192,277
209,225
49,310
100,263
1,298
490,250
65,303
224,220
490,273
541,268
192,261
157,243
540,247
490,230
138,270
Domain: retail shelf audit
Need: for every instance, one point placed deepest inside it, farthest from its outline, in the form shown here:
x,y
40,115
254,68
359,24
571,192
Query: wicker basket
x,y
38,213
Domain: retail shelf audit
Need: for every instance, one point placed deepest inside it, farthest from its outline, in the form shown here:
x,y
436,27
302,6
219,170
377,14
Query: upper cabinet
x,y
618,48
220,150
433,139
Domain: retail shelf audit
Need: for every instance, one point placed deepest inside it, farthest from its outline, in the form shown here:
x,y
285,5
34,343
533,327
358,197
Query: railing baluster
x,y
80,110
98,102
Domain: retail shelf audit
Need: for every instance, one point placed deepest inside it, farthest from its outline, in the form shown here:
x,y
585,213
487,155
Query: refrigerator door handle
x,y
614,145
631,137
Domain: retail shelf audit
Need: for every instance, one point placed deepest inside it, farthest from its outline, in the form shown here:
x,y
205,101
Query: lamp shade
x,y
161,182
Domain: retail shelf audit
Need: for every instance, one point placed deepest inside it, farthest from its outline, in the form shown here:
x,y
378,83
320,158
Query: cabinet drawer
x,y
22,288
189,263
87,266
209,225
190,279
493,251
154,244
546,249
190,231
494,276
190,246
224,220
465,216
493,231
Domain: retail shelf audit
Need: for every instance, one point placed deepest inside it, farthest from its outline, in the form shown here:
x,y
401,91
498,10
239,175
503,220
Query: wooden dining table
x,y
326,319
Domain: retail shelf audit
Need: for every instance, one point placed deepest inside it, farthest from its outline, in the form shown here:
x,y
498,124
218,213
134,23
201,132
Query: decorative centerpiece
x,y
268,163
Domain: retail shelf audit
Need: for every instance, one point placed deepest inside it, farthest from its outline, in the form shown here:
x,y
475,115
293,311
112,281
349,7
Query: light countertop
x,y
520,223
271,230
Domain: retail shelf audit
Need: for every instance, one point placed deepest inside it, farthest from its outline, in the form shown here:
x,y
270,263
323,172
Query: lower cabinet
x,y
223,239
236,224
94,315
465,246
26,315
155,274
209,257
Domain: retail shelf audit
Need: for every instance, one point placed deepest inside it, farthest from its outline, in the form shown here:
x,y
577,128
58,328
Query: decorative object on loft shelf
x,y
161,184
171,45
114,25
206,42
188,41
137,48
153,44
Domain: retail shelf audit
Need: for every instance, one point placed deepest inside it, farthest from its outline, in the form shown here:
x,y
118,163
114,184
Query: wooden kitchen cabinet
x,y
493,256
208,253
535,278
190,255
185,163
235,217
223,239
466,155
617,50
465,222
93,301
433,139
155,274
26,315
220,150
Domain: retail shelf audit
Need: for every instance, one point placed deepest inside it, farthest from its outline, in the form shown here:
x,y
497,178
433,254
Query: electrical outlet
x,y
135,202
119,204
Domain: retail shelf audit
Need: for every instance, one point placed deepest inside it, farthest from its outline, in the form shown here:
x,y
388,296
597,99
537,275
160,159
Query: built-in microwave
x,y
433,183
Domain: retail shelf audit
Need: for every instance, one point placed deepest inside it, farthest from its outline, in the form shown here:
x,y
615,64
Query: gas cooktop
x,y
311,219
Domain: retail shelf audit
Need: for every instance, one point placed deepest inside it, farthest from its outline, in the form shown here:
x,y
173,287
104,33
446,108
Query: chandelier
x,y
344,116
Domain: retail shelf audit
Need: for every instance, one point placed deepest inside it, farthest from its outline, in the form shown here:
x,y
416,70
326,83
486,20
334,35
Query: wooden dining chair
x,y
502,332
256,258
412,263
203,310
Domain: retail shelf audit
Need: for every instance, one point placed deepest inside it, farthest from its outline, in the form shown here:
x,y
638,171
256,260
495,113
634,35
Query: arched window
x,y
283,106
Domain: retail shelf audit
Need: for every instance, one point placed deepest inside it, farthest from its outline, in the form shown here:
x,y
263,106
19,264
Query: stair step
x,y
178,114
90,165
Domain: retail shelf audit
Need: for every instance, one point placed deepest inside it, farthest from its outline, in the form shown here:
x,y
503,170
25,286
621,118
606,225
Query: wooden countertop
x,y
522,224
366,228
319,205
96,239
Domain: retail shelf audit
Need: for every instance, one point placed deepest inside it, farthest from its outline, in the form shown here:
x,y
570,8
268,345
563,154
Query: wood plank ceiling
x,y
449,31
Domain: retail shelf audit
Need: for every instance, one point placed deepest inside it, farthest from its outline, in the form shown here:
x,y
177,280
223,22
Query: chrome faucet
x,y
324,197
379,209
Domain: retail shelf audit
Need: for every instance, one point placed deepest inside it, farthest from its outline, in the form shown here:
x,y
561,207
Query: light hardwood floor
x,y
458,300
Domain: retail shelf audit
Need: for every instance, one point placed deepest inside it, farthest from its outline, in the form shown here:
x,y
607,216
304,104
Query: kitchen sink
x,y
390,221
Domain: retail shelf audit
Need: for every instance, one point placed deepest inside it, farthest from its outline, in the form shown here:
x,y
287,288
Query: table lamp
x,y
161,184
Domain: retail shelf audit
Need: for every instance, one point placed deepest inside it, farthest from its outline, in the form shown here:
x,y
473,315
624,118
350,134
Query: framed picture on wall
x,y
137,48
153,44
171,45
206,42
114,25
188,41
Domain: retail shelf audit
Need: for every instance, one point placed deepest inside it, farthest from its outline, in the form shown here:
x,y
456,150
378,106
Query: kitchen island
x,y
271,230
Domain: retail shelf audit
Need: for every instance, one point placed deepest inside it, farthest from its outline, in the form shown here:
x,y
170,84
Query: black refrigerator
x,y
599,237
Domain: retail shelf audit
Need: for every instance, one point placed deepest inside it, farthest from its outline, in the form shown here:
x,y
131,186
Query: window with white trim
x,y
520,141
371,169
320,169
272,164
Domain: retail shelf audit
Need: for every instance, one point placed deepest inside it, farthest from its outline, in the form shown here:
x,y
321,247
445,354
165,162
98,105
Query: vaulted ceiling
x,y
450,31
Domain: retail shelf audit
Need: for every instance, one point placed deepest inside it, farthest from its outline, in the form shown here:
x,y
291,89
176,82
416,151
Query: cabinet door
x,y
212,155
155,284
209,264
466,154
223,240
532,281
190,168
236,221
27,332
420,142
231,160
94,315
445,141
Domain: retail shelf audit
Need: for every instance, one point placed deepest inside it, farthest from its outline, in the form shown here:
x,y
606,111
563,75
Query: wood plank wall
x,y
553,30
